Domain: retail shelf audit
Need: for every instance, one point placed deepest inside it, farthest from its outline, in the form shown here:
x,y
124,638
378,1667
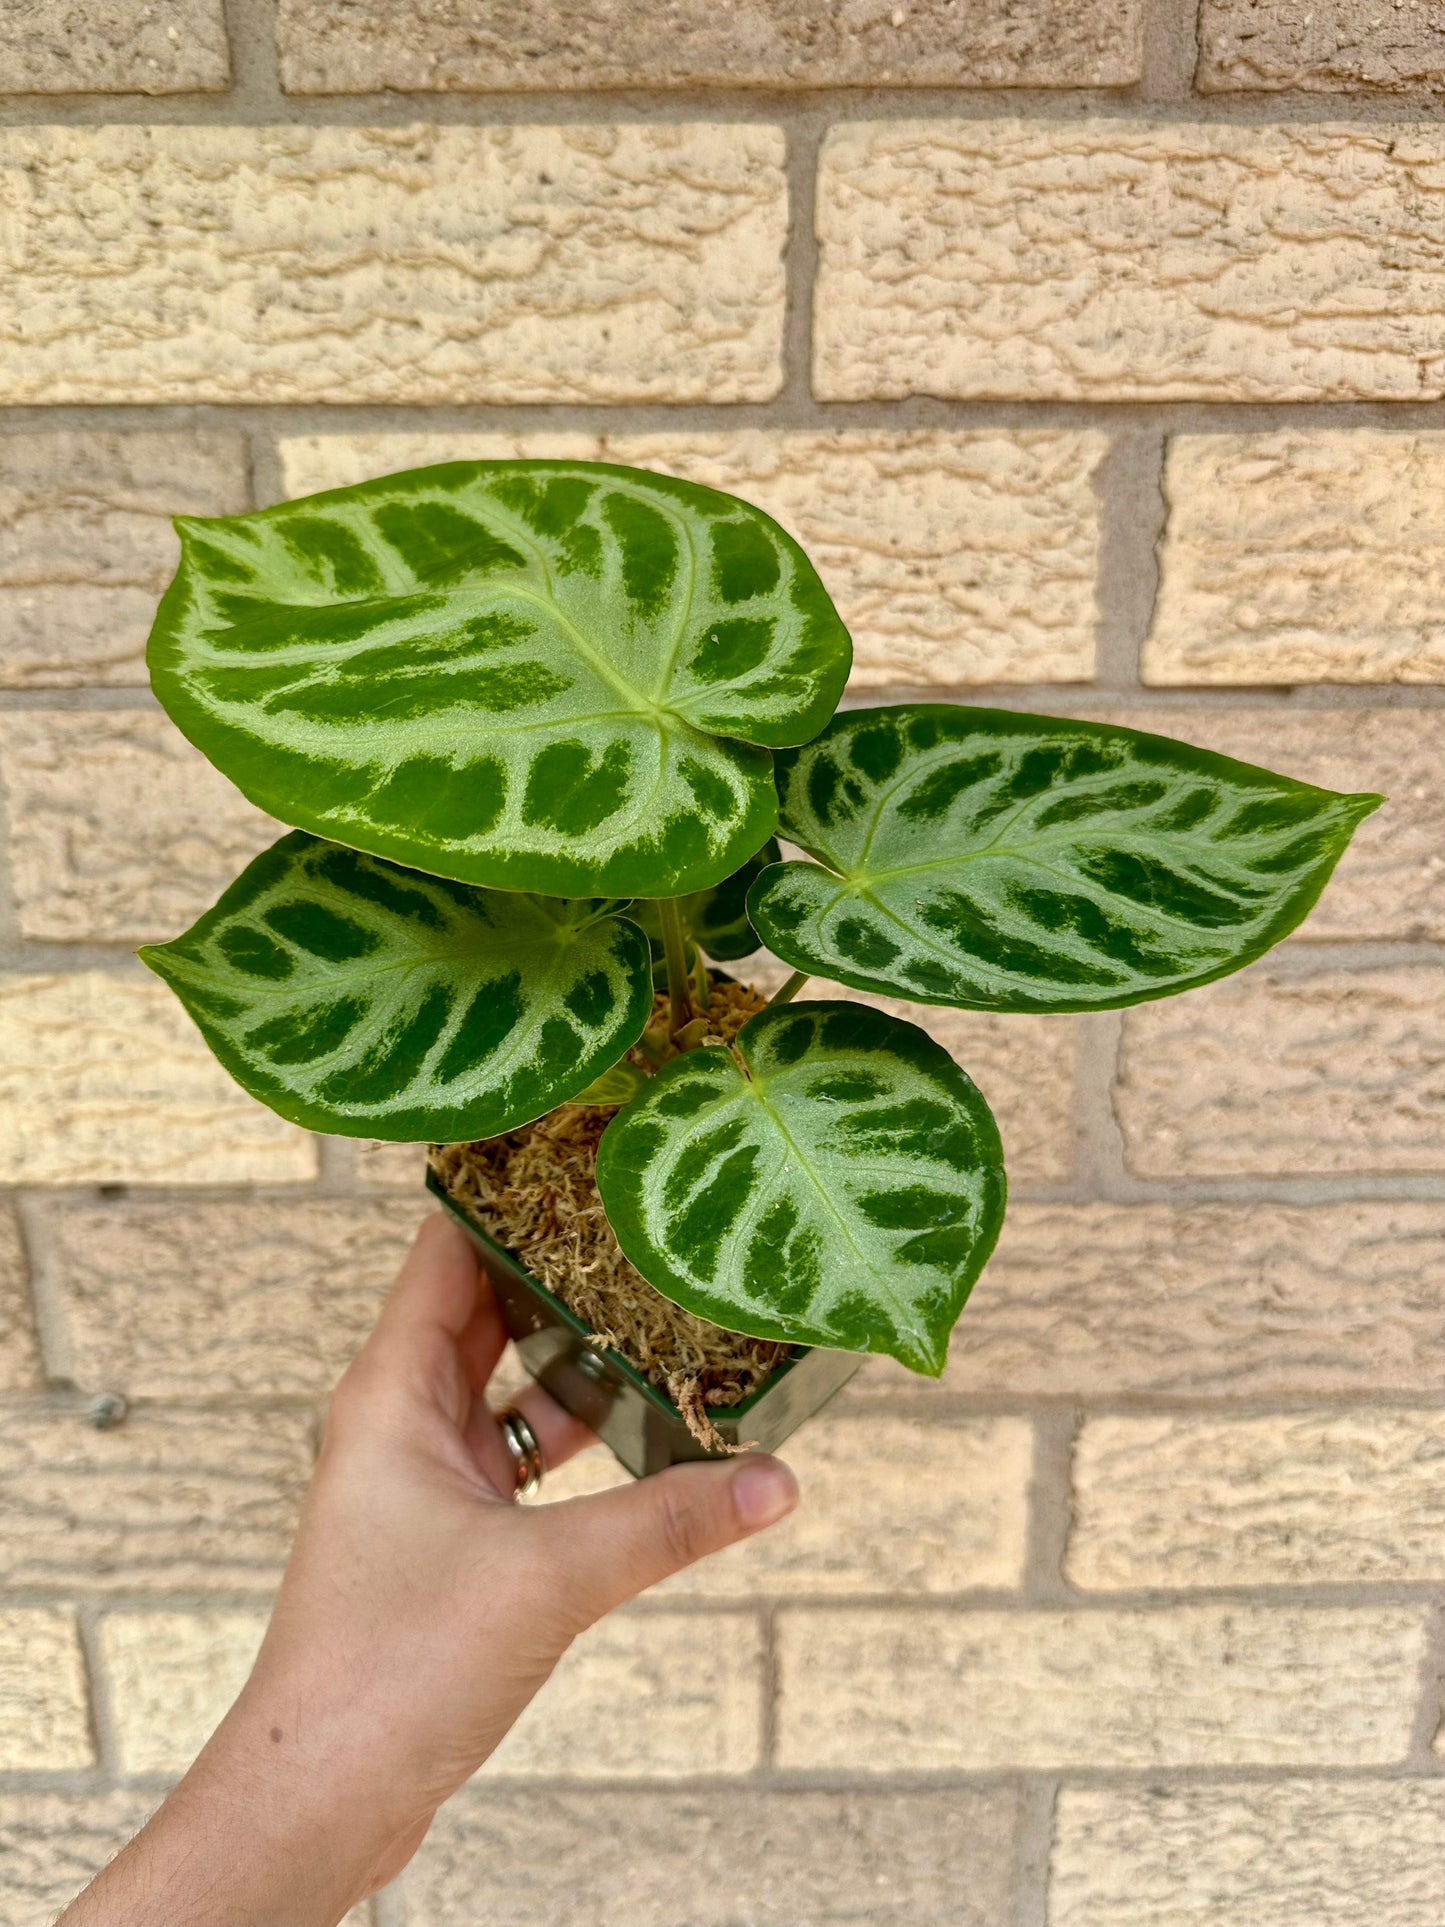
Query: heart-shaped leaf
x,y
838,1182
534,675
1007,862
356,997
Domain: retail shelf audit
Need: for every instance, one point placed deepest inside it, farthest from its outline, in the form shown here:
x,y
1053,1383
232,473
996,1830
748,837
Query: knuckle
x,y
681,1525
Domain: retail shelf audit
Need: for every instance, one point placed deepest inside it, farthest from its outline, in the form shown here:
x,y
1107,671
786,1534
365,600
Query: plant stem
x,y
674,945
790,989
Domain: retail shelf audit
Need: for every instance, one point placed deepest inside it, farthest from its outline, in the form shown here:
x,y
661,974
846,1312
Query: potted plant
x,y
538,725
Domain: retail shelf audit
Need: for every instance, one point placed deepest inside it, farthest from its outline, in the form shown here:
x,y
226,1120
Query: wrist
x,y
244,1840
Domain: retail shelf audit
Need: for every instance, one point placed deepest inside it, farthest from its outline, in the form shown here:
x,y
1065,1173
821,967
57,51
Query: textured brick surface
x,y
86,543
878,1691
646,1697
1025,1067
954,557
1202,1301
869,1522
443,264
19,1352
172,1676
1296,1498
44,1722
113,47
191,1500
103,1079
1391,881
205,1300
52,1843
1111,260
715,1859
360,45
1295,1854
1306,555
1296,1073
119,830
1323,46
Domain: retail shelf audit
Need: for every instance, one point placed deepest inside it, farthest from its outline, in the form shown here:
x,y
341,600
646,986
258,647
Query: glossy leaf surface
x,y
554,676
845,1189
1008,862
359,998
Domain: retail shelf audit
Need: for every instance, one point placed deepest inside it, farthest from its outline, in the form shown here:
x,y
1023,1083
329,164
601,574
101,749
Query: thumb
x,y
616,1544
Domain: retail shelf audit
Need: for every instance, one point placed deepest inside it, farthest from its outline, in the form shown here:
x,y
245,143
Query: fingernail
x,y
764,1490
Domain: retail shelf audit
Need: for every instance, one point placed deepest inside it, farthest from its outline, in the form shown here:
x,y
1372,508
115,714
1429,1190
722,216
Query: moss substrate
x,y
536,1192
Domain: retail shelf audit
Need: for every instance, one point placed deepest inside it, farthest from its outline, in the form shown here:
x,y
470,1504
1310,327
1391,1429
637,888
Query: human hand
x,y
420,1612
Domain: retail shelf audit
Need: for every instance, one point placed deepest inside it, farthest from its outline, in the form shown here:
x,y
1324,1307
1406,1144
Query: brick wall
x,y
1095,351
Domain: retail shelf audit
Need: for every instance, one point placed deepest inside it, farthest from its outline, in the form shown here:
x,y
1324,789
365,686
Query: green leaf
x,y
841,1185
1006,862
533,675
614,1086
718,918
356,997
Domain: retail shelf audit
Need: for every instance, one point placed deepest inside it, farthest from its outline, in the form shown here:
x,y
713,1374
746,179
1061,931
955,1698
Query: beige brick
x,y
1306,555
1291,1853
114,47
120,832
51,1844
173,1676
1391,881
44,1719
955,556
86,544
403,264
890,1505
1285,1072
1102,1301
1321,46
363,45
391,1167
772,1858
1293,1499
20,1369
1024,1066
879,1691
182,1499
104,1079
1126,261
646,1696
205,1300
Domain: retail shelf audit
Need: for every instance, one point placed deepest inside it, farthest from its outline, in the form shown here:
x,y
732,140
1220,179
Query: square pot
x,y
641,1425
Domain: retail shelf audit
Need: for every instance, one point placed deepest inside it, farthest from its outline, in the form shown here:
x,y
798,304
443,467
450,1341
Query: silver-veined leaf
x,y
839,1182
1007,862
557,676
356,997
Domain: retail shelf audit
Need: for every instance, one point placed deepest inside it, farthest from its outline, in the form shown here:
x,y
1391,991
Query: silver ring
x,y
526,1453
